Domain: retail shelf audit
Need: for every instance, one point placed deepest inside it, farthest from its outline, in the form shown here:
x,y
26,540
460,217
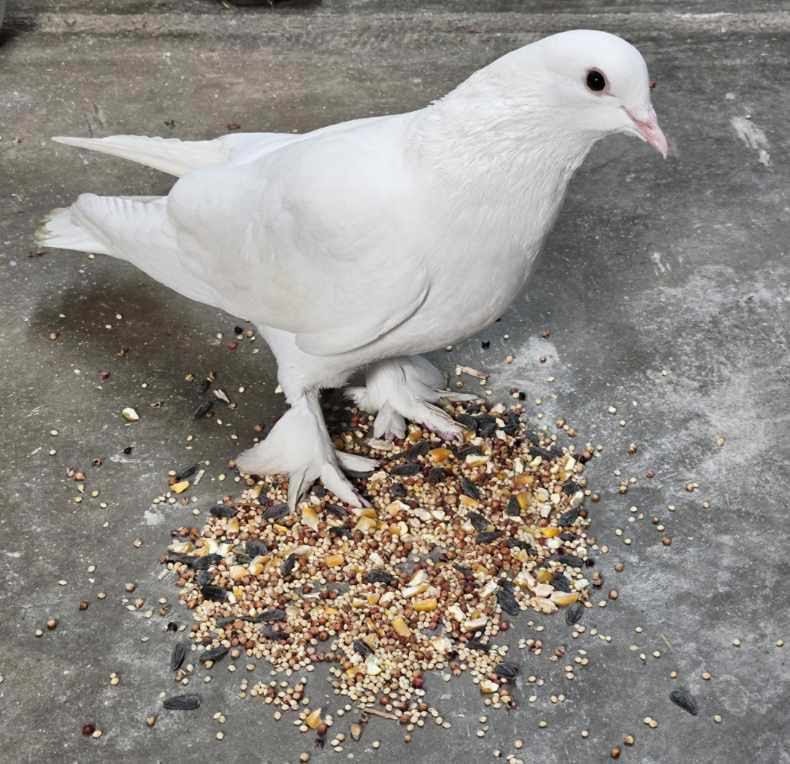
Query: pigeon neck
x,y
497,152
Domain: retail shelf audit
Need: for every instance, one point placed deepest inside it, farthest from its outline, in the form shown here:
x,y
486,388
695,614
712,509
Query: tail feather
x,y
169,155
59,231
135,229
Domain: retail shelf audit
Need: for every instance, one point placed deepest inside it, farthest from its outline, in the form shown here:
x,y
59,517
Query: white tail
x,y
169,155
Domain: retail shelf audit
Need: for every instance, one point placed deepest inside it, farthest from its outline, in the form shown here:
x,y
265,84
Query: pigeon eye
x,y
596,81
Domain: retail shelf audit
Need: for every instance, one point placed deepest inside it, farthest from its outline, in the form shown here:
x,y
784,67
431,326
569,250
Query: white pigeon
x,y
363,244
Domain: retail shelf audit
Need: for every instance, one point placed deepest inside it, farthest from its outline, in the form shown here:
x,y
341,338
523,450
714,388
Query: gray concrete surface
x,y
664,284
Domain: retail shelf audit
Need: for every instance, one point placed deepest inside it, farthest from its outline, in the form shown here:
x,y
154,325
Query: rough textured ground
x,y
664,284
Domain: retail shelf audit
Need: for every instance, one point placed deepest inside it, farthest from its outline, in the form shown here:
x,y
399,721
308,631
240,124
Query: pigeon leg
x,y
299,445
407,388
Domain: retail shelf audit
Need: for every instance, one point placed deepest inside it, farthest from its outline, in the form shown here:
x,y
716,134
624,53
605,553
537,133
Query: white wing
x,y
310,238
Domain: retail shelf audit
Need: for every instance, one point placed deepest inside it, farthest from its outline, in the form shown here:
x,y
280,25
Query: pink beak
x,y
650,132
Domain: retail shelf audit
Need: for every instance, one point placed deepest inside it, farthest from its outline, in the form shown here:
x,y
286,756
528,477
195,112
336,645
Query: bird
x,y
358,247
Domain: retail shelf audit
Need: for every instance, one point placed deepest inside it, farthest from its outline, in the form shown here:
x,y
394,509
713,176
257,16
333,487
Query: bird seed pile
x,y
456,541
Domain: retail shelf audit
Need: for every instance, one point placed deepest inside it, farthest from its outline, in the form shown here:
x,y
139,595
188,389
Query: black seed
x,y
204,563
486,537
467,421
362,648
340,530
269,616
404,470
398,490
507,601
318,490
128,450
288,565
486,426
203,409
380,576
276,511
571,560
221,510
512,422
182,702
479,523
172,626
680,696
178,655
519,544
215,654
571,487
419,450
238,329
436,475
227,621
589,562
513,508
476,644
186,472
213,593
469,488
507,669
485,344
567,536
570,517
559,582
270,632
204,578
341,513
465,451
574,614
255,548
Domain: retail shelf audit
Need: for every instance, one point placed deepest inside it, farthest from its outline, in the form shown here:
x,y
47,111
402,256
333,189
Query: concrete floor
x,y
664,284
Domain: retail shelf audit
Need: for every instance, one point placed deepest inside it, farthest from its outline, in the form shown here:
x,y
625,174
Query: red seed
x,y
88,729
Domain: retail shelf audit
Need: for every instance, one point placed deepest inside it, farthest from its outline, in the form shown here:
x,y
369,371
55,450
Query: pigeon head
x,y
571,88
598,83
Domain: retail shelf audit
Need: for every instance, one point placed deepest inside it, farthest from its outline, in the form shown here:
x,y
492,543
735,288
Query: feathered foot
x,y
407,388
299,446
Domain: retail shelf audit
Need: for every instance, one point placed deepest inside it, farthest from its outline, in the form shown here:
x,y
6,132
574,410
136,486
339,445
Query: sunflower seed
x,y
683,698
187,702
213,593
276,511
469,488
404,470
203,409
178,655
380,576
220,510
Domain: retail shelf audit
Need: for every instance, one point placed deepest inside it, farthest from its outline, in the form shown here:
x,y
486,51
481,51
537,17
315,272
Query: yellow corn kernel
x,y
334,560
525,479
426,606
564,598
365,524
310,517
439,455
233,525
180,486
313,719
543,576
550,533
524,499
468,502
400,626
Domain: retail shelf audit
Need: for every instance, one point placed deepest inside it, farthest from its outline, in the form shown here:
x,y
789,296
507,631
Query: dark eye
x,y
596,81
